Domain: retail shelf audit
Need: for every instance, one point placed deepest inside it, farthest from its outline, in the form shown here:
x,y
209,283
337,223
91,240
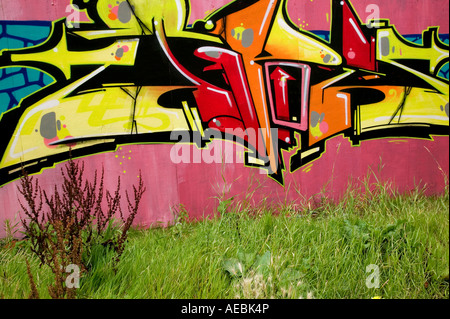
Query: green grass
x,y
284,252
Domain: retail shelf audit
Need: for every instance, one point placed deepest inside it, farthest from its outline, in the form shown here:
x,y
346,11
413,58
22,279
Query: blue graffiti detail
x,y
417,39
324,35
17,83
21,34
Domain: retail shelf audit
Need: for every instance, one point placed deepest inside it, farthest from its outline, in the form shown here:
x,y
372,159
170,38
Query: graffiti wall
x,y
213,99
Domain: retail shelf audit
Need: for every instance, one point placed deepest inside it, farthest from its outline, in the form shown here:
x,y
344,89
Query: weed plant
x,y
70,227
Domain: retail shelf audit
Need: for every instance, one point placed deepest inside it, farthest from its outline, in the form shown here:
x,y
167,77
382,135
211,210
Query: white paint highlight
x,y
171,60
357,31
345,97
266,16
101,32
338,79
180,14
84,80
221,92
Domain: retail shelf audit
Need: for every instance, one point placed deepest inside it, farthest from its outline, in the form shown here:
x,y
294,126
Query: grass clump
x,y
293,251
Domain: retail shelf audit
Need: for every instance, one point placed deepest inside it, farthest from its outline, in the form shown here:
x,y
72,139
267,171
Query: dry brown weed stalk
x,y
63,227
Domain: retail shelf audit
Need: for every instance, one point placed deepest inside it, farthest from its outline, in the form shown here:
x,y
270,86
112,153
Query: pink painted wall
x,y
197,185
404,15
406,162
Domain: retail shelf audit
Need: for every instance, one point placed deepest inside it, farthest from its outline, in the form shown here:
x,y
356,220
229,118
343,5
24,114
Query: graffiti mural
x,y
138,72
